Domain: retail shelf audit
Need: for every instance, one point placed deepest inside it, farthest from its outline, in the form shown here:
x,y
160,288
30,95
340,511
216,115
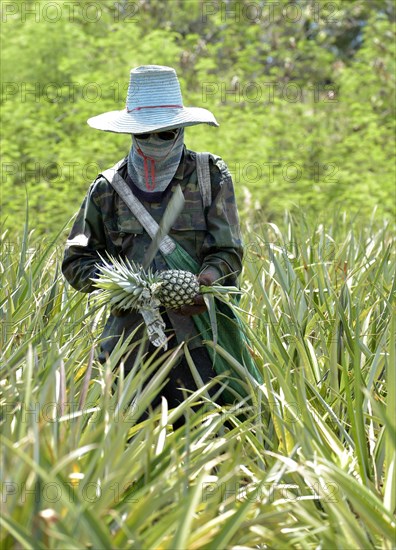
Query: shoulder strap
x,y
110,172
167,245
203,174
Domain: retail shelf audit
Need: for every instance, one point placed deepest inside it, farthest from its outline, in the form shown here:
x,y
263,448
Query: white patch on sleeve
x,y
78,240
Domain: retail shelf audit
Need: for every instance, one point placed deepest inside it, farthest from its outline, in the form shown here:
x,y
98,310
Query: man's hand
x,y
206,278
194,309
209,276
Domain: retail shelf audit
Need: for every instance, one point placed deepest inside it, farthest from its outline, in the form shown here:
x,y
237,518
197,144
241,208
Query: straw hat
x,y
154,102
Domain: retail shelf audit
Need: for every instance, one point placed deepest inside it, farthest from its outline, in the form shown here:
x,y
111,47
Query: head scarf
x,y
153,162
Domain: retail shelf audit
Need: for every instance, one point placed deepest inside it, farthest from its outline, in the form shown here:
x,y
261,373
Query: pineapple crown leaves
x,y
120,269
124,283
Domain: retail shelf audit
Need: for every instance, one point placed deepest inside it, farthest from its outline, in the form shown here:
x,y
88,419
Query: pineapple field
x,y
306,460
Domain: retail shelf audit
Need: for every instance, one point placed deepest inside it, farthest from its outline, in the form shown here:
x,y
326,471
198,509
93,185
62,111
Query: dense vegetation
x,y
304,93
312,465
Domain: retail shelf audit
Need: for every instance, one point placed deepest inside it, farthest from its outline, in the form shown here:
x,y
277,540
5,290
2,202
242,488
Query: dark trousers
x,y
180,378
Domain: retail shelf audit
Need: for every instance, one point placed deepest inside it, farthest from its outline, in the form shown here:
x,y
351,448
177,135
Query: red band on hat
x,y
155,107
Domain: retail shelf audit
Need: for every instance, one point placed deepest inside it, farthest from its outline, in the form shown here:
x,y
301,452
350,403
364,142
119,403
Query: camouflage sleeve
x,y
223,247
85,241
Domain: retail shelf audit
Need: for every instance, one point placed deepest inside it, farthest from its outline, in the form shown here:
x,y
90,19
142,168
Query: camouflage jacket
x,y
105,224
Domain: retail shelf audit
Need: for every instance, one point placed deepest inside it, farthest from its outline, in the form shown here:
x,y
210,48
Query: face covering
x,y
153,162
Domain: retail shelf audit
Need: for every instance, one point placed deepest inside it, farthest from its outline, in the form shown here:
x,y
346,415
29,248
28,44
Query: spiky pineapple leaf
x,y
211,307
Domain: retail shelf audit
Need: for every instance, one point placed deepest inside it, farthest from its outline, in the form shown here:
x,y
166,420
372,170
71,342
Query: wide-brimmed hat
x,y
154,102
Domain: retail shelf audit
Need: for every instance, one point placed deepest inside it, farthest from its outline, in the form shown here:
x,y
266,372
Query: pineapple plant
x,y
126,285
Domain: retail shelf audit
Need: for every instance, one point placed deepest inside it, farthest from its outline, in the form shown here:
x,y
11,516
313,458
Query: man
x,y
157,161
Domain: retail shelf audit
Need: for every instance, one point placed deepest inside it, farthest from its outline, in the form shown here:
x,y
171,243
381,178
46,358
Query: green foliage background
x,y
303,91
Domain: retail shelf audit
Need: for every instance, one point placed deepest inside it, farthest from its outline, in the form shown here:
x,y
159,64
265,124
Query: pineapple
x,y
177,288
126,285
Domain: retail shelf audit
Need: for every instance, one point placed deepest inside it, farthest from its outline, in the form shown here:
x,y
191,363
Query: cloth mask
x,y
153,162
